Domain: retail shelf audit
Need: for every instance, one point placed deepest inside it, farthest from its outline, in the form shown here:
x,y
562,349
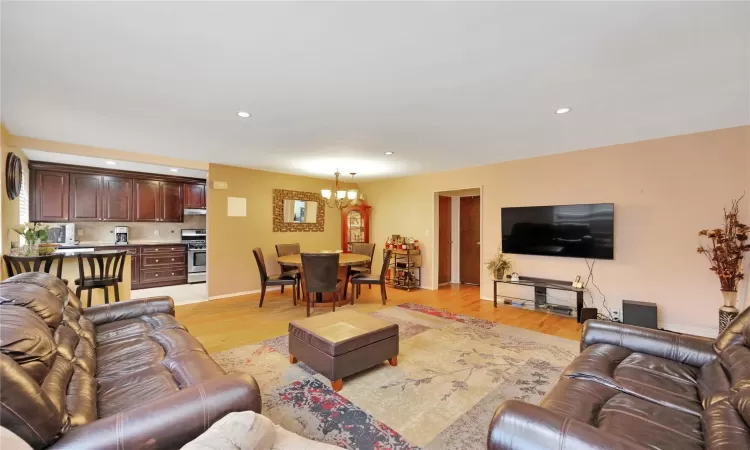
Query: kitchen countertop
x,y
112,244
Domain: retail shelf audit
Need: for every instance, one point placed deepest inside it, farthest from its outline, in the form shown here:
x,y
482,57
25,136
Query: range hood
x,y
194,212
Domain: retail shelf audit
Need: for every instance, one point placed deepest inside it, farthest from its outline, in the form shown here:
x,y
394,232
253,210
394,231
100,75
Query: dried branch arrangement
x,y
725,248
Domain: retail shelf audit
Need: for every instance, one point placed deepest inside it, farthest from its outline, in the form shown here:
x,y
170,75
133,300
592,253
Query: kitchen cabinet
x,y
194,196
117,199
171,201
65,193
50,190
85,197
147,201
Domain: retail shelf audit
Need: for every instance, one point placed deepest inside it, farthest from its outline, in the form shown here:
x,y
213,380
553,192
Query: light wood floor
x,y
237,321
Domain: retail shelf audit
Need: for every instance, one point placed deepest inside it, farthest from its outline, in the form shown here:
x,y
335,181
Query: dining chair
x,y
105,271
320,271
361,248
359,280
272,280
289,249
21,264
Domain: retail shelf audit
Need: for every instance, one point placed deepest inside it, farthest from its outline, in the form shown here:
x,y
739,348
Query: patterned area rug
x,y
453,372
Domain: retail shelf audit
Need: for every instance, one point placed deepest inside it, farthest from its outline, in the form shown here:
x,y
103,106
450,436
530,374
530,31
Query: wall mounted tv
x,y
577,231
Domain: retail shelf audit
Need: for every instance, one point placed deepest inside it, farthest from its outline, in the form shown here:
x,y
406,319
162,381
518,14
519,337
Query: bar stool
x,y
110,264
21,264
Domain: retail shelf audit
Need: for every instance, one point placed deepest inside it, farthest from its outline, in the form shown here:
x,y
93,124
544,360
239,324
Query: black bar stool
x,y
21,264
105,270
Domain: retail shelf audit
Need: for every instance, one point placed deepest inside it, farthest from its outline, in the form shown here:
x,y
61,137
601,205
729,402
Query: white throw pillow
x,y
237,431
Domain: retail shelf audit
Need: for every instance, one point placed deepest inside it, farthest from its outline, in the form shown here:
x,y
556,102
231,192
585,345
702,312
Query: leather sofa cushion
x,y
656,379
336,334
579,399
121,330
119,359
150,383
81,398
736,361
27,340
713,383
657,426
37,299
724,427
53,285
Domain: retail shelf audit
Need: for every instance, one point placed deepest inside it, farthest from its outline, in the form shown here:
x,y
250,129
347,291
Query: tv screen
x,y
578,231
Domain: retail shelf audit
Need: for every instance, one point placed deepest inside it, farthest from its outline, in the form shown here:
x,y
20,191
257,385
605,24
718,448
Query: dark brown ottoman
x,y
342,343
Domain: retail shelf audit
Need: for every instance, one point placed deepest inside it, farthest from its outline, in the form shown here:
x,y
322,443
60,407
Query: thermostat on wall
x,y
220,185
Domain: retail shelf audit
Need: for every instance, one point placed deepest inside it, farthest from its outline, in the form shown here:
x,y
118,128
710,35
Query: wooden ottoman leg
x,y
292,359
393,361
337,385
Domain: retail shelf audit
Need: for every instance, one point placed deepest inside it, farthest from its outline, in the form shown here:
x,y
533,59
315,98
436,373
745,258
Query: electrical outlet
x,y
156,232
616,314
80,232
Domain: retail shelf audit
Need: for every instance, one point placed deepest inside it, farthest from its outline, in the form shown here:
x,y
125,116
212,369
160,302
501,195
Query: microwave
x,y
62,234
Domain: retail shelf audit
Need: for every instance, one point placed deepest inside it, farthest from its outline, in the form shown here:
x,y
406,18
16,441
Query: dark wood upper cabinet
x,y
171,201
49,193
85,197
147,201
194,196
117,199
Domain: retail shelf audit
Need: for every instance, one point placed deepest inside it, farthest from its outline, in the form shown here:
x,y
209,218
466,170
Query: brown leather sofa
x,y
635,387
118,376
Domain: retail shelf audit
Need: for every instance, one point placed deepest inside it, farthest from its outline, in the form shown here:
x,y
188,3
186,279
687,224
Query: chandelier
x,y
337,198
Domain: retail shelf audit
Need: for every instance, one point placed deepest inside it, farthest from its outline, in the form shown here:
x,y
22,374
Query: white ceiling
x,y
105,163
335,85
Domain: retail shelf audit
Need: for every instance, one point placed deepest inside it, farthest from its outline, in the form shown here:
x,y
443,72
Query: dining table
x,y
346,261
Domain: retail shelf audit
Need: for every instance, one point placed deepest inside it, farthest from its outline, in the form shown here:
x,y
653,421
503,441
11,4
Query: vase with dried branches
x,y
725,251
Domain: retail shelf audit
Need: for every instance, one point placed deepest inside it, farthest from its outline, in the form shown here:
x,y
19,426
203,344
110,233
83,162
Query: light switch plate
x,y
221,185
156,232
80,232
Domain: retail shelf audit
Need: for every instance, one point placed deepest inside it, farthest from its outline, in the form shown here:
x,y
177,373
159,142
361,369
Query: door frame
x,y
435,232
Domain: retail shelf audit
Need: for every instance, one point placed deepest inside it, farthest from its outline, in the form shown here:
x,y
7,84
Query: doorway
x,y
458,224
469,255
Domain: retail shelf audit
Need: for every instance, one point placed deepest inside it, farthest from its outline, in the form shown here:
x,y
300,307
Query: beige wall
x,y
664,191
231,265
8,208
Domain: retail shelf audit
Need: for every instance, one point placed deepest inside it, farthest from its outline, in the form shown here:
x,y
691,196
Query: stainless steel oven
x,y
195,239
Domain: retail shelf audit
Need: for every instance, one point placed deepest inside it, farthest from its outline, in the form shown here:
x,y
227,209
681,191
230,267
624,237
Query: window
x,y
23,200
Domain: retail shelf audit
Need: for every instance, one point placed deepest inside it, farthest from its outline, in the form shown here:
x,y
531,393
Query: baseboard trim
x,y
238,294
705,331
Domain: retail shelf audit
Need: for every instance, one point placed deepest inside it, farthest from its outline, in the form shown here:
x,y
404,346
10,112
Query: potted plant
x,y
724,251
499,265
33,233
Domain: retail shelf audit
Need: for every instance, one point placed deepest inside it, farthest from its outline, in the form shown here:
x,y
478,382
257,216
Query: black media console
x,y
540,286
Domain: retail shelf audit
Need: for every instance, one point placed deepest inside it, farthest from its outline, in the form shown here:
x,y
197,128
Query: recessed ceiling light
x,y
174,170
389,153
562,110
243,114
111,163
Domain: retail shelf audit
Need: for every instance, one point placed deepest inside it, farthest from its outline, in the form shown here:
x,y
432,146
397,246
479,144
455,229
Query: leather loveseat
x,y
636,388
118,376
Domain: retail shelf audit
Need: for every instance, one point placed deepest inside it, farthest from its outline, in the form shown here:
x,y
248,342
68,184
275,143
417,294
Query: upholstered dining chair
x,y
20,264
266,280
105,271
320,271
289,249
361,248
359,280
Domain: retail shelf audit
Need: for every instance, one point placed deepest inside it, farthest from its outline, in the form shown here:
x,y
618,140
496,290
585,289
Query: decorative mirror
x,y
13,170
297,211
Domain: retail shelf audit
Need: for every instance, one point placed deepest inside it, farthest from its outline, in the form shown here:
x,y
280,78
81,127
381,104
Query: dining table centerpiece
x,y
725,252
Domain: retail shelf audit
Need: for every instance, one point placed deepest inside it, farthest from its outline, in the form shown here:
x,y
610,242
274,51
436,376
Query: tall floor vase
x,y
728,312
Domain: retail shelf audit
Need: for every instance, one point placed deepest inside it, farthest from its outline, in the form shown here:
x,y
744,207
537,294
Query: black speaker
x,y
588,313
642,314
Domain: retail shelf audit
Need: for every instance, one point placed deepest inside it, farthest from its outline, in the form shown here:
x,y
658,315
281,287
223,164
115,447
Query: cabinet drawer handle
x,y
172,273
172,259
157,260
156,274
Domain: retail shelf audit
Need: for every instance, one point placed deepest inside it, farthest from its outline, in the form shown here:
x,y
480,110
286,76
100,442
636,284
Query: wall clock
x,y
13,168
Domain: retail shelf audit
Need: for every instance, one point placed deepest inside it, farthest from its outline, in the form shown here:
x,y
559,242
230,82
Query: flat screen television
x,y
577,231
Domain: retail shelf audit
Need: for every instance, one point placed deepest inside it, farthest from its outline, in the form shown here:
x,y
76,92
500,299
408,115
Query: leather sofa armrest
x,y
169,422
684,348
523,426
129,309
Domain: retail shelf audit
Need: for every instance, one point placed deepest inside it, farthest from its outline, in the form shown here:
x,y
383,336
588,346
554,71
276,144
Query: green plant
x,y
32,231
499,264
